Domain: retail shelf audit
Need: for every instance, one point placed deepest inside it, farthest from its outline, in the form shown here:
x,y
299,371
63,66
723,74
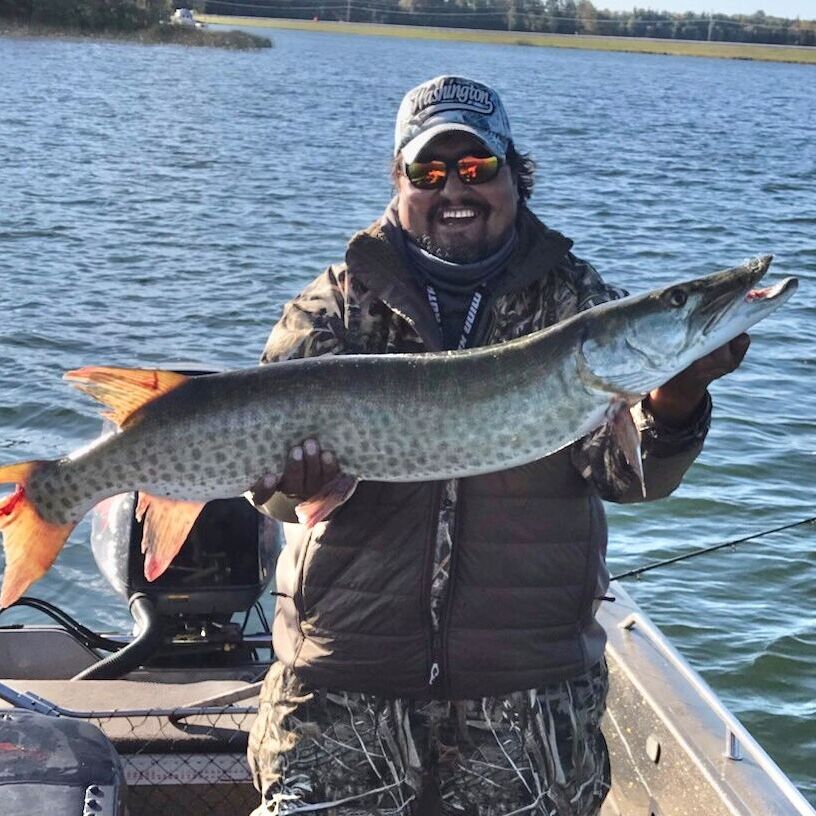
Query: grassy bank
x,y
688,48
153,35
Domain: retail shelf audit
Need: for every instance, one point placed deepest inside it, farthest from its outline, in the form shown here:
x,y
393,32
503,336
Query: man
x,y
437,646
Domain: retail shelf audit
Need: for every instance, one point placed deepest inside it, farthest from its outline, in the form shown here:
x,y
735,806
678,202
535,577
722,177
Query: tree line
x,y
89,15
554,16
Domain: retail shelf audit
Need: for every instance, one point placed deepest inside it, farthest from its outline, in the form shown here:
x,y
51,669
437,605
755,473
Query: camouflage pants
x,y
534,752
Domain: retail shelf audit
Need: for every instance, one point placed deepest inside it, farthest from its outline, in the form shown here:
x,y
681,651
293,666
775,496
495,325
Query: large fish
x,y
405,417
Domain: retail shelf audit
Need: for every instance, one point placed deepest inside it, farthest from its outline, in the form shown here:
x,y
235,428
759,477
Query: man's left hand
x,y
675,402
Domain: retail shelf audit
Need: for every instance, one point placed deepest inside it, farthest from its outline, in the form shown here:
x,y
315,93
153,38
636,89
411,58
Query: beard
x,y
460,252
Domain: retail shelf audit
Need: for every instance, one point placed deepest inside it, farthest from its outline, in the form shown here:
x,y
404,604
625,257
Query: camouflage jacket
x,y
373,304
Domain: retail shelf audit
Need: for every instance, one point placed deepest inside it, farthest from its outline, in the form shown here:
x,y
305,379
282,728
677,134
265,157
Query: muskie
x,y
401,417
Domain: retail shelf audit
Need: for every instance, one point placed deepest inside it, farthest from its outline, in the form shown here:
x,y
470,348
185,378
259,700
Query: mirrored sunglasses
x,y
470,169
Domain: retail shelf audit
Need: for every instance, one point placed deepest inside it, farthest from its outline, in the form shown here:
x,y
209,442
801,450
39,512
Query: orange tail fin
x,y
30,542
167,523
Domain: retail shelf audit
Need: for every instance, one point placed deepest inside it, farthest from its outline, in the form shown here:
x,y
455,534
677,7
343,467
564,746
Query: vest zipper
x,y
436,654
434,644
439,634
445,612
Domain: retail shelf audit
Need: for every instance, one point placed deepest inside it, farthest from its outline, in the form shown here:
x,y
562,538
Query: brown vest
x,y
527,549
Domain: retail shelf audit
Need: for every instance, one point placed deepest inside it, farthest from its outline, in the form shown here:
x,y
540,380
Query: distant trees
x,y
89,15
557,16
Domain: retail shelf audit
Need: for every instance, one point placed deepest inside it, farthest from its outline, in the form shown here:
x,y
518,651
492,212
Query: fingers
x,y
677,399
723,360
263,490
739,348
307,470
313,476
292,480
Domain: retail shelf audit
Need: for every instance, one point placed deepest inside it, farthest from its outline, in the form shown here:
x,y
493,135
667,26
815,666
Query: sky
x,y
805,9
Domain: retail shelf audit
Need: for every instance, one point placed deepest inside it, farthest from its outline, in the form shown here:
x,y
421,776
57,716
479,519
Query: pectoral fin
x,y
167,523
627,436
335,493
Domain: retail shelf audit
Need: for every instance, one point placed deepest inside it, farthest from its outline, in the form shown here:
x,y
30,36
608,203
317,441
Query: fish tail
x,y
31,543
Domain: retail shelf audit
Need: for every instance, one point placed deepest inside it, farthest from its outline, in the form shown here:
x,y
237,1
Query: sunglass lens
x,y
477,170
426,174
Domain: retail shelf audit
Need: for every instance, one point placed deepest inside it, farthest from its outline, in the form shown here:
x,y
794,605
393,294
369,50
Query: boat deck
x,y
675,749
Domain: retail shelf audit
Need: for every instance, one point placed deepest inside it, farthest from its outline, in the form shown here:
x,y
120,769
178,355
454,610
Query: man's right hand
x,y
307,470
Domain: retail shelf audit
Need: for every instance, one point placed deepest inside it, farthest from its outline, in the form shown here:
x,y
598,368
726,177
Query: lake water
x,y
159,204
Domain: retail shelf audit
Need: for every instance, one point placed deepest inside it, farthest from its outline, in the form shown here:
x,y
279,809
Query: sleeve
x,y
312,324
667,451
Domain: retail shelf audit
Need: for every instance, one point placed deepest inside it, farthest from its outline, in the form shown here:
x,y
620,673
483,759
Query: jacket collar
x,y
376,263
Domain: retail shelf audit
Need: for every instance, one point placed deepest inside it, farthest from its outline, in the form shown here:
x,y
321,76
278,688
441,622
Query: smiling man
x,y
437,646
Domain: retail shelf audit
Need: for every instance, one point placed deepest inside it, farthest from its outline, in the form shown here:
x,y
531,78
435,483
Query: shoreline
x,y
153,35
592,42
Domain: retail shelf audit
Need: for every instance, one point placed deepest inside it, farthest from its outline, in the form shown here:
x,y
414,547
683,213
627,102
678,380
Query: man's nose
x,y
453,184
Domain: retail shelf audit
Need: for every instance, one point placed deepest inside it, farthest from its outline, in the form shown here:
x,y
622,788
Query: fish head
x,y
638,343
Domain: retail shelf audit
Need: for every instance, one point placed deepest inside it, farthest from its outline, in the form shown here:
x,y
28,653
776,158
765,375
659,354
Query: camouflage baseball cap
x,y
450,103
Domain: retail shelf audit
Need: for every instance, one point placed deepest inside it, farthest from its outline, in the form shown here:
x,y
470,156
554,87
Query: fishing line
x,y
713,548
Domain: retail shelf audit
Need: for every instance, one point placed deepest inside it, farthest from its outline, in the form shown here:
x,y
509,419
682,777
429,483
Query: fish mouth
x,y
750,303
785,287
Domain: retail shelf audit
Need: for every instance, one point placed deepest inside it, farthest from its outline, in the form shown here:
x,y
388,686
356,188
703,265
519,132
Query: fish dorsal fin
x,y
124,390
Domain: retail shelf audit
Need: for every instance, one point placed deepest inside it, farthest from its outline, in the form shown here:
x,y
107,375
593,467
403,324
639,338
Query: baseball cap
x,y
451,103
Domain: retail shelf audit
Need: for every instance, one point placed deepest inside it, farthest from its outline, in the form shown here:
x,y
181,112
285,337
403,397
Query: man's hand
x,y
307,470
675,402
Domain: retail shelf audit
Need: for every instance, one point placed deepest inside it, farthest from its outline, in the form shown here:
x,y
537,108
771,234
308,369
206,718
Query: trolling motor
x,y
183,618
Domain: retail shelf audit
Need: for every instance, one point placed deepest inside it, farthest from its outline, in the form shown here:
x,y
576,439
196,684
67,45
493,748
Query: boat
x,y
185,17
160,724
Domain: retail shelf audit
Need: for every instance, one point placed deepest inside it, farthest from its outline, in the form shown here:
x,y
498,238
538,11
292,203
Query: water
x,y
159,204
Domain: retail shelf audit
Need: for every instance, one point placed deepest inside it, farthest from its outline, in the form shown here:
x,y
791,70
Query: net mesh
x,y
176,763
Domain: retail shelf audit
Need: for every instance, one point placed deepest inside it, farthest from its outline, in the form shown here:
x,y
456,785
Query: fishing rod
x,y
713,548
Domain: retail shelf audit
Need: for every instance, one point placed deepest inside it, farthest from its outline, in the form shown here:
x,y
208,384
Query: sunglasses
x,y
431,175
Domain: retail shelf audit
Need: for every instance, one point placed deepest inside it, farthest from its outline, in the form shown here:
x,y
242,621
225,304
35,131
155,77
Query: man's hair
x,y
521,165
523,168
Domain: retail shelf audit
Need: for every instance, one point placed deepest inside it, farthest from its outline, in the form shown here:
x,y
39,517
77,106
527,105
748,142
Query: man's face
x,y
458,222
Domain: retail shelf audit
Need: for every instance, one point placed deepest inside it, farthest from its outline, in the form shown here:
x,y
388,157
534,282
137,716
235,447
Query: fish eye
x,y
678,298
